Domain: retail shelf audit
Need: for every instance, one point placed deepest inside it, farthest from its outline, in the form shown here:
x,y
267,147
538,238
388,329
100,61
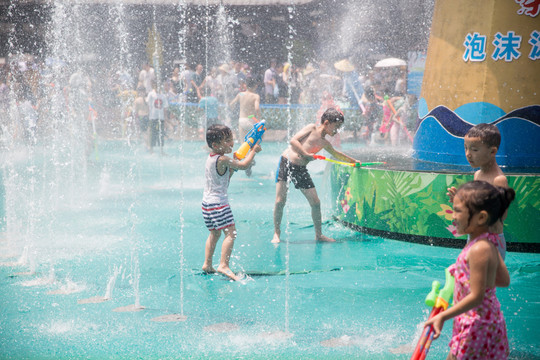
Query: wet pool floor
x,y
130,236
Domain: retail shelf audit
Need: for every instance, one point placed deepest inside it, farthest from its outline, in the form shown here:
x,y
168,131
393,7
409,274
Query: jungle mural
x,y
414,206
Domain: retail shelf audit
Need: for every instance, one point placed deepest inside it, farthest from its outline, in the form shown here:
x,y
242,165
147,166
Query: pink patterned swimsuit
x,y
479,333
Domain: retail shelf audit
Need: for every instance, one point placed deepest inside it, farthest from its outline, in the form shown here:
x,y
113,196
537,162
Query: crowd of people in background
x,y
31,92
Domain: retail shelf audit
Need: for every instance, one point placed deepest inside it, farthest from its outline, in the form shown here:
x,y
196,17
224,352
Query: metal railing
x,y
278,117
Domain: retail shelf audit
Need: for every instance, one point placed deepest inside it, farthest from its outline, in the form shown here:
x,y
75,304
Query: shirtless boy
x,y
481,145
292,166
249,105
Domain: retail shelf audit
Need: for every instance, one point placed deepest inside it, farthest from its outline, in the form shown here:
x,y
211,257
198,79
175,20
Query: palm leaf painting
x,y
372,218
416,202
525,209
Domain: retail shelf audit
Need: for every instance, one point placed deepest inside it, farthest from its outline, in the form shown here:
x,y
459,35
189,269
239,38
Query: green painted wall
x,y
415,203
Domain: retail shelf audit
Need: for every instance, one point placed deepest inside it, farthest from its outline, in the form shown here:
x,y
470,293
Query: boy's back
x,y
248,103
249,106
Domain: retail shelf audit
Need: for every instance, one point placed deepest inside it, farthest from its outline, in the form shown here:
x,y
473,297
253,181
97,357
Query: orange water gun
x,y
439,301
252,137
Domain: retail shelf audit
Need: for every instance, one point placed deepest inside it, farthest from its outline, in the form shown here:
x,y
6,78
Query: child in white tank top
x,y
217,213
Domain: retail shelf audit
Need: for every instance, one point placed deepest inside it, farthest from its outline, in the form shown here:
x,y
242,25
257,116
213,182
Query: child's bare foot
x,y
208,269
324,238
227,272
276,239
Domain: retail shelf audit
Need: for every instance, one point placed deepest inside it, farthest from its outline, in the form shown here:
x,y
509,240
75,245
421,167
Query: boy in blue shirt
x,y
210,105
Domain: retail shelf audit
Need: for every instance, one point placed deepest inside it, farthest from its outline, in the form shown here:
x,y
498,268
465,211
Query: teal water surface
x,y
138,215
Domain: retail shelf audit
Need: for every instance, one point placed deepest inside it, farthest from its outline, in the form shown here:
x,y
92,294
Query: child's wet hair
x,y
251,82
332,115
370,93
217,133
488,133
481,195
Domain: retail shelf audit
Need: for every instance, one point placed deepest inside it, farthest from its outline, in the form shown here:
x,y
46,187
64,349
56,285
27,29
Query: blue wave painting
x,y
440,132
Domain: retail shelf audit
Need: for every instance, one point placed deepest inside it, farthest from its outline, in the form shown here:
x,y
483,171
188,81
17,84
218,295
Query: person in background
x,y
270,96
157,105
176,82
146,76
196,82
211,82
372,115
249,108
282,85
351,89
238,81
140,113
190,91
209,104
172,98
293,75
239,77
400,88
249,111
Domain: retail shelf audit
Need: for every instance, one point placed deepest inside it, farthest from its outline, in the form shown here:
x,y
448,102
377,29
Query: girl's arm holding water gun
x,y
482,265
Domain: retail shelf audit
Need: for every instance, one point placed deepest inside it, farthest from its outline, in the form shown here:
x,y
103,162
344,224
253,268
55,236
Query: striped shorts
x,y
217,216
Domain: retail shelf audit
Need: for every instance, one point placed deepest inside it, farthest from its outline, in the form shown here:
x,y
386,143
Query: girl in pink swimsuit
x,y
479,330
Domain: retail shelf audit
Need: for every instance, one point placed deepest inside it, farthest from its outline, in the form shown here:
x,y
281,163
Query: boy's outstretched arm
x,y
339,155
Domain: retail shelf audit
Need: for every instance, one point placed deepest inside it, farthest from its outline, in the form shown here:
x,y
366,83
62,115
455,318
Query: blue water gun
x,y
252,137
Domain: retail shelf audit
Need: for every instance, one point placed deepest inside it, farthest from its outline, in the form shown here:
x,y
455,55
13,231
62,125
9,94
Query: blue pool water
x,y
138,216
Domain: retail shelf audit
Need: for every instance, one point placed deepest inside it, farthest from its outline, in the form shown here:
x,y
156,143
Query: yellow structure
x,y
451,81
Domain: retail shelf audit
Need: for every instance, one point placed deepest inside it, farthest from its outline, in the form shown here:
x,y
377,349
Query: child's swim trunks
x,y
217,216
297,173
